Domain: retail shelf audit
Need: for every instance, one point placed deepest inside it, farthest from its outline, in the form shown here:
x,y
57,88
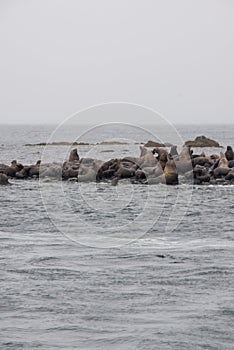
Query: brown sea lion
x,y
200,174
11,170
34,170
3,179
23,173
115,182
161,156
202,160
140,176
107,169
220,172
125,173
74,156
184,162
169,176
170,172
223,162
214,156
133,160
69,173
222,169
128,164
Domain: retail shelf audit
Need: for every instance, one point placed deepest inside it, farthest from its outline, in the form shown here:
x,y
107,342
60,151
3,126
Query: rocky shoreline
x,y
151,167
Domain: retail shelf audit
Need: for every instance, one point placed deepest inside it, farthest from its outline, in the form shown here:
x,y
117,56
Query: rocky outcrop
x,y
157,144
202,141
150,167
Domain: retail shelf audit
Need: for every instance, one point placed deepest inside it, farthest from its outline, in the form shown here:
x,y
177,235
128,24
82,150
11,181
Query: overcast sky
x,y
60,56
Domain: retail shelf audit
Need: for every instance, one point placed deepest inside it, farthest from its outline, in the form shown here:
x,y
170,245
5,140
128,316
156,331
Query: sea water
x,y
123,267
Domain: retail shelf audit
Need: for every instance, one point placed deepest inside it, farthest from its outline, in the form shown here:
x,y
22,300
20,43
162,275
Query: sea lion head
x,y
74,155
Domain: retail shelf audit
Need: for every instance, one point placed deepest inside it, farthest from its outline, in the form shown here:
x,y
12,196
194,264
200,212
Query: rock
x,y
154,144
60,143
202,141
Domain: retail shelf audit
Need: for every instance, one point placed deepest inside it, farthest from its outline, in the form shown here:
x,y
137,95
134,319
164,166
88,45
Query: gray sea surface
x,y
129,267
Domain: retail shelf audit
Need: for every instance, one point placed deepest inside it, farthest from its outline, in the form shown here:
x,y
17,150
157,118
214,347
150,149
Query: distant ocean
x,y
123,267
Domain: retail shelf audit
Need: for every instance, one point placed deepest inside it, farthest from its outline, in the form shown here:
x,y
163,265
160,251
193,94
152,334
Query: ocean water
x,y
91,266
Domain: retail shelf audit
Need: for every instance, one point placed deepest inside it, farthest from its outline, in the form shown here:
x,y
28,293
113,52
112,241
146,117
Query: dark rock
x,y
156,144
202,141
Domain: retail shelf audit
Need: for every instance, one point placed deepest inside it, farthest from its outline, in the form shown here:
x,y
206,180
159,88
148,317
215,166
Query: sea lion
x,y
229,154
161,156
222,169
220,172
223,162
74,156
186,153
11,170
34,170
184,161
147,159
23,173
115,181
128,164
28,171
133,160
230,176
92,163
107,169
173,151
125,173
143,150
214,156
86,174
202,160
169,176
52,170
3,179
170,172
69,173
161,179
140,176
200,174
158,170
189,176
150,171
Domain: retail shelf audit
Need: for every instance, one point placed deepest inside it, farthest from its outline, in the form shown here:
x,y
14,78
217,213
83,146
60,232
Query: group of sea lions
x,y
151,167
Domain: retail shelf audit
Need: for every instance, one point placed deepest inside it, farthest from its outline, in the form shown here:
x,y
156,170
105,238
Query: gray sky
x,y
60,56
